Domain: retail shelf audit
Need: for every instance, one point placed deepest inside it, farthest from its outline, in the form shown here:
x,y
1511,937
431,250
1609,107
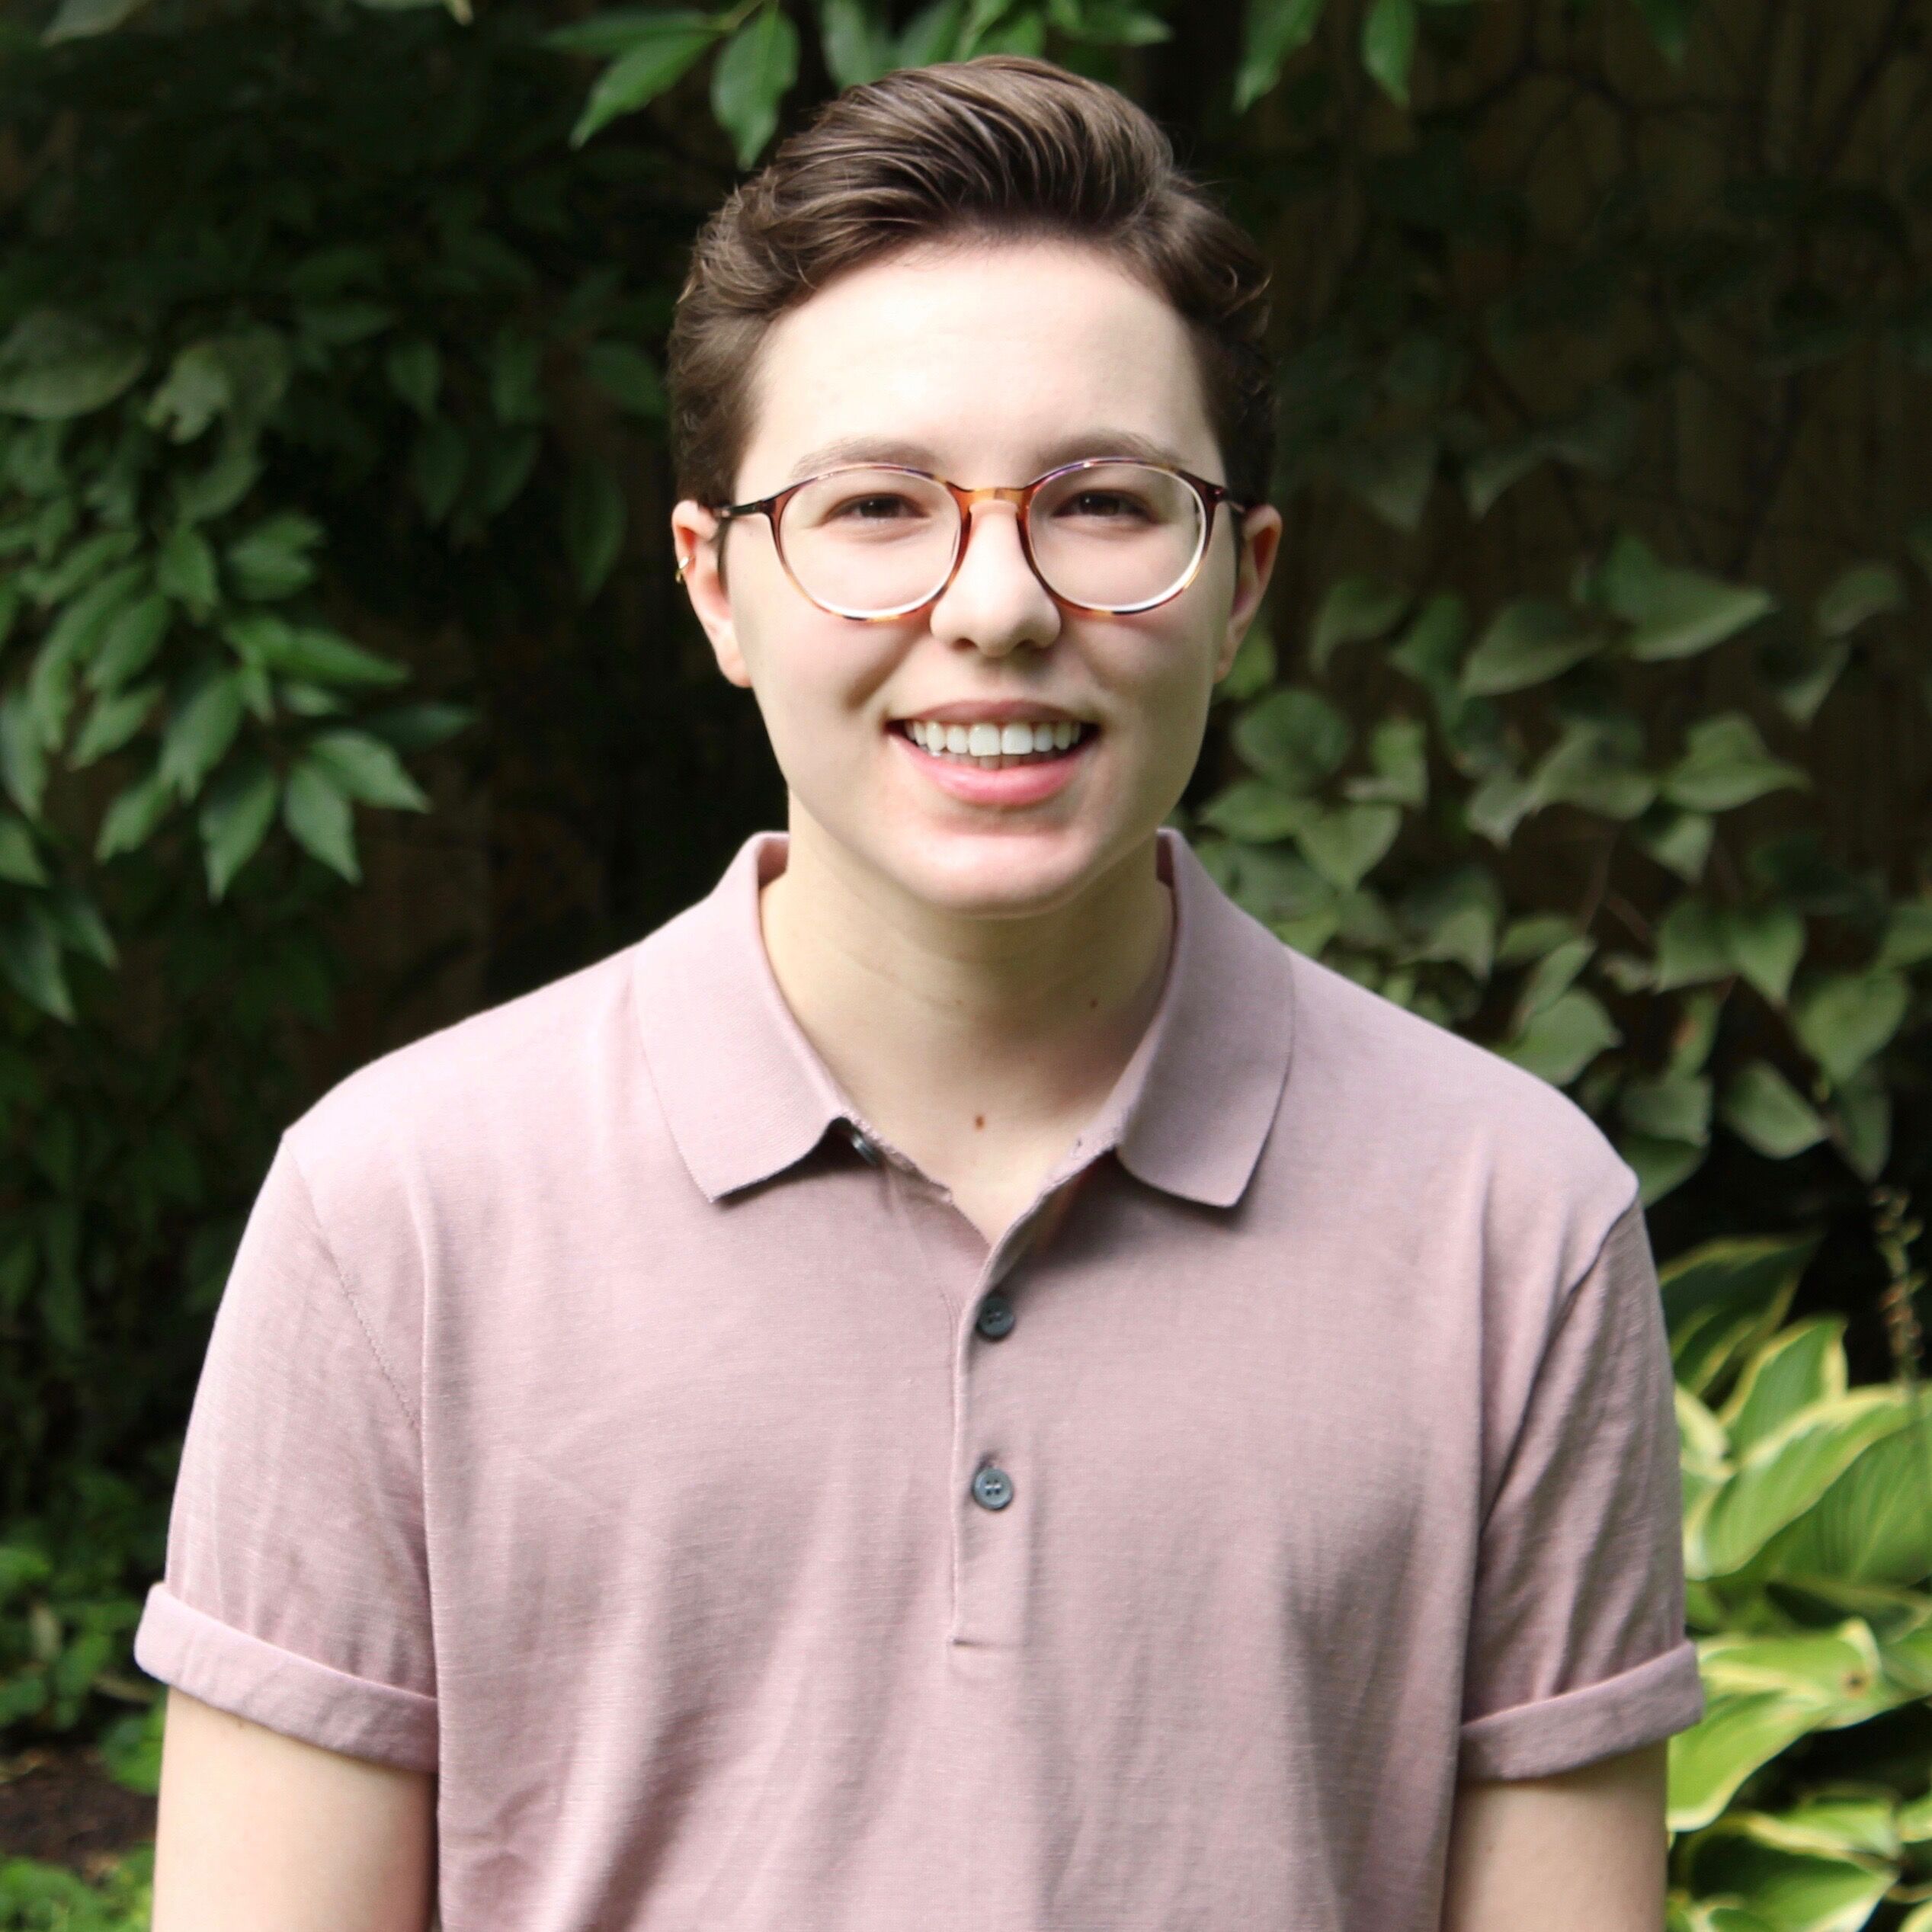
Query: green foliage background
x,y
344,688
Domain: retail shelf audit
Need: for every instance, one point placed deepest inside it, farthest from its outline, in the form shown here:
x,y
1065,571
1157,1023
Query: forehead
x,y
986,355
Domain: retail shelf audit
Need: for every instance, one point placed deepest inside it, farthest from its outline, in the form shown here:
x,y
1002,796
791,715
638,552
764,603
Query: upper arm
x,y
256,1829
1593,1838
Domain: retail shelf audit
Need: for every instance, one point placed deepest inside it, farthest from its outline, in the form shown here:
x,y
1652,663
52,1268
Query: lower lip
x,y
1013,784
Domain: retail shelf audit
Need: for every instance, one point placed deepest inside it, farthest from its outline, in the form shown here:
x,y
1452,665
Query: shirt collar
x,y
746,1093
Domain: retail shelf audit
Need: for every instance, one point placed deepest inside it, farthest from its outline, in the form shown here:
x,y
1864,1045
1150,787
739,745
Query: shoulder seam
x,y
1633,1202
341,1281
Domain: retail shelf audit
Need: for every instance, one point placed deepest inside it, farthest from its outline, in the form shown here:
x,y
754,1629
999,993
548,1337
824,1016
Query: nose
x,y
995,602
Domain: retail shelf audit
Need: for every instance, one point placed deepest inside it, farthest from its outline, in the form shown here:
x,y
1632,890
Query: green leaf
x,y
1388,45
23,756
115,717
1253,670
1391,474
1864,590
236,811
1344,845
628,375
1499,806
1764,1111
1675,612
858,47
1355,609
54,367
307,651
415,368
1725,765
1672,1106
653,61
1563,1038
1454,915
418,727
215,490
1865,1120
753,73
1428,651
72,637
29,959
436,465
272,559
363,767
931,34
1695,1032
516,370
1679,842
1528,641
1554,975
1294,736
1692,943
593,516
1765,943
1907,934
130,641
1919,540
1530,935
198,735
79,19
185,570
1661,1165
1275,29
318,818
509,456
1584,768
1844,1018
1669,22
128,822
614,31
1799,673
1259,813
20,859
1399,752
1109,22
1690,612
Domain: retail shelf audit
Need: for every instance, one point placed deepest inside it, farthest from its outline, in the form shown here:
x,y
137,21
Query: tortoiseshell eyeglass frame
x,y
1020,495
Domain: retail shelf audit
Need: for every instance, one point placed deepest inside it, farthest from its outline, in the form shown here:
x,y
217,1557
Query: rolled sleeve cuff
x,y
211,1661
1637,1706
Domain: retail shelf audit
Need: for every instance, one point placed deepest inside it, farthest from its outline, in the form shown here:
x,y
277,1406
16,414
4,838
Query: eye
x,y
875,506
1108,506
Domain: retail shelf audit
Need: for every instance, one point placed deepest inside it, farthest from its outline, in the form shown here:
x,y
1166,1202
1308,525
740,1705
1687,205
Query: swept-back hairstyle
x,y
1003,145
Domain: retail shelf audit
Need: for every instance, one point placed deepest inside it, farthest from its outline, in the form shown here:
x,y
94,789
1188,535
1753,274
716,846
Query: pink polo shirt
x,y
601,1415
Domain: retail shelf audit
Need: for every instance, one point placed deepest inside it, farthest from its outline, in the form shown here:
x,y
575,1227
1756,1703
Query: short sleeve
x,y
1578,1648
295,1590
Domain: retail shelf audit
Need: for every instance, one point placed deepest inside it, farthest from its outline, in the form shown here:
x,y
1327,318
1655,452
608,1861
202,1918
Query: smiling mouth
x,y
1045,742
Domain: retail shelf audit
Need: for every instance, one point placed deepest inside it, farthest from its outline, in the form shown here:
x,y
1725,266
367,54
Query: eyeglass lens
x,y
866,541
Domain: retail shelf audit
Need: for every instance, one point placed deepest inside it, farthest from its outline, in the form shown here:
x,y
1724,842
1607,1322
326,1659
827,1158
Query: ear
x,y
696,533
1262,526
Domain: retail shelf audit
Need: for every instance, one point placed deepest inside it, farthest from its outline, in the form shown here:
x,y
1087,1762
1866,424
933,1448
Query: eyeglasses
x,y
1104,535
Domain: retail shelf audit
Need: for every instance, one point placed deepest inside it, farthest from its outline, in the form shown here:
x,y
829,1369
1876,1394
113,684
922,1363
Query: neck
x,y
952,1031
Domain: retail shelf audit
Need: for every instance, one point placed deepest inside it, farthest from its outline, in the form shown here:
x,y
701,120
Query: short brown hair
x,y
1002,144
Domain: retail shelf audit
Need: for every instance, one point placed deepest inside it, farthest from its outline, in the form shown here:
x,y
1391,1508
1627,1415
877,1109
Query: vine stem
x,y
1895,1229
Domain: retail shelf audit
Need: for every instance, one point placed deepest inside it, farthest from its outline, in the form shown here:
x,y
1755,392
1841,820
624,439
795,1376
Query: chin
x,y
998,871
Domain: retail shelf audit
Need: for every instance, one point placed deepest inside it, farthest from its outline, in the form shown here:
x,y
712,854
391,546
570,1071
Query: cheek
x,y
816,680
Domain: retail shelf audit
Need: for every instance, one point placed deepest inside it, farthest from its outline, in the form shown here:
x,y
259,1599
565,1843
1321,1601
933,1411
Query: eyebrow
x,y
1062,449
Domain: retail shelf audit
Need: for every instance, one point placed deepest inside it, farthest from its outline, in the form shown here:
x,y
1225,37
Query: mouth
x,y
993,746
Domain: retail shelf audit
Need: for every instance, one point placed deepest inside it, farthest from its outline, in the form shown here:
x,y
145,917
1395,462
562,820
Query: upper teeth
x,y
988,740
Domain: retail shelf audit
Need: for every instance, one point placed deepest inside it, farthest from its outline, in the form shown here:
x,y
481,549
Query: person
x,y
960,1384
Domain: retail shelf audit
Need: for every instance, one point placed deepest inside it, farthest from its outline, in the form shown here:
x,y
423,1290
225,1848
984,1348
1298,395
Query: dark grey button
x,y
863,1143
992,1487
996,1316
